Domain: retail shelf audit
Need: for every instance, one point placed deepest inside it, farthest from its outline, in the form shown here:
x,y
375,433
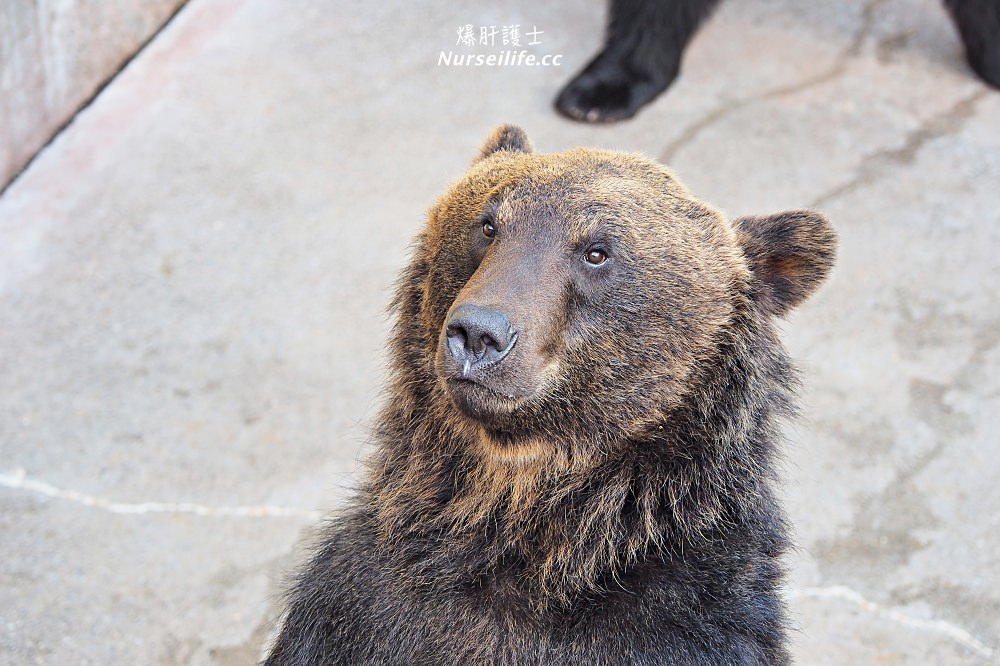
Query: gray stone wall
x,y
54,54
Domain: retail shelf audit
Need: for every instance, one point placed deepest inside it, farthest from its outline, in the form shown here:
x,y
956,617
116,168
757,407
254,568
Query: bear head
x,y
578,296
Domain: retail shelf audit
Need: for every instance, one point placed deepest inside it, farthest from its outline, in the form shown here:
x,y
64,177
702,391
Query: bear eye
x,y
595,256
489,230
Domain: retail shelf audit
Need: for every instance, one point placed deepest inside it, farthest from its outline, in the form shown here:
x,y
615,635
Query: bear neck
x,y
453,515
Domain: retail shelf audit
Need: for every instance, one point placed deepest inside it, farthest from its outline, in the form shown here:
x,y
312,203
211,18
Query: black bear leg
x,y
978,22
641,57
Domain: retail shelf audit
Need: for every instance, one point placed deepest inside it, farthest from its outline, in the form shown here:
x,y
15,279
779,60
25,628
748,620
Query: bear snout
x,y
478,337
485,366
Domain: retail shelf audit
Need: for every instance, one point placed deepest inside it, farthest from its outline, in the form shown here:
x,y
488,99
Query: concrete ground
x,y
193,276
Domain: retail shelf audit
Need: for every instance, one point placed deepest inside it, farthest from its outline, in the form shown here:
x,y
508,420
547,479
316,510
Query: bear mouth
x,y
480,402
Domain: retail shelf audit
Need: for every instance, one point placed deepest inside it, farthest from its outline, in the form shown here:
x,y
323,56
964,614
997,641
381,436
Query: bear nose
x,y
479,336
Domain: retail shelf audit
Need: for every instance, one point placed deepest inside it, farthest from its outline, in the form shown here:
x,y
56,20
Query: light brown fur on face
x,y
529,271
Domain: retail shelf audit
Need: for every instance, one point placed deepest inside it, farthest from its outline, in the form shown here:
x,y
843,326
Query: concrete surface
x,y
192,280
54,54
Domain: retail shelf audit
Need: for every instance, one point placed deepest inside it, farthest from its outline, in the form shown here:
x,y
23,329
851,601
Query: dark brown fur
x,y
603,496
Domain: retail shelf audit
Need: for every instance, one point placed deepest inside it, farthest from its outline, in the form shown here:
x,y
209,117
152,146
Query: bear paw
x,y
611,89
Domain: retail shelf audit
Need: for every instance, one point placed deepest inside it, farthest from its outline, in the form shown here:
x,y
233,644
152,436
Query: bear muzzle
x,y
484,374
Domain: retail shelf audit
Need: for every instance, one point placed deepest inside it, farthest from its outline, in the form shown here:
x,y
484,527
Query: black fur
x,y
978,22
645,42
640,59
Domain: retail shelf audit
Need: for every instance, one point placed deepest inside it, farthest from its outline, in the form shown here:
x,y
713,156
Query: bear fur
x,y
602,494
645,43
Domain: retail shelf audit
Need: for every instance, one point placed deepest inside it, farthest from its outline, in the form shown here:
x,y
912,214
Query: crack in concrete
x,y
874,165
837,69
18,480
952,631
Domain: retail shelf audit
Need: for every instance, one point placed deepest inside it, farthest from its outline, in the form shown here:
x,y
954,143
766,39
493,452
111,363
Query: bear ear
x,y
789,254
506,137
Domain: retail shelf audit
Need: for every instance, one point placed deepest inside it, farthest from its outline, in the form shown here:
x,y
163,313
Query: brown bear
x,y
574,462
